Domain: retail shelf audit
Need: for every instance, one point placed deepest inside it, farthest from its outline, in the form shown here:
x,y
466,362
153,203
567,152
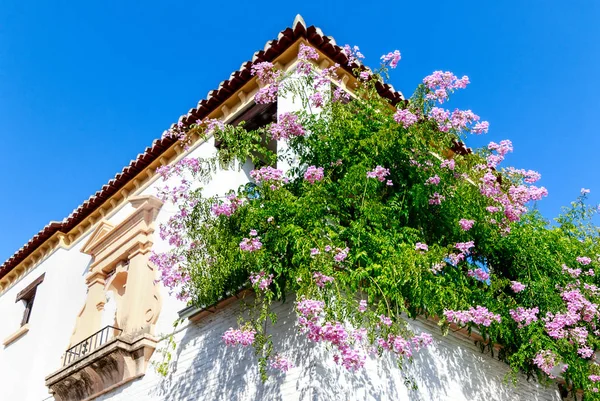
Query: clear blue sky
x,y
86,86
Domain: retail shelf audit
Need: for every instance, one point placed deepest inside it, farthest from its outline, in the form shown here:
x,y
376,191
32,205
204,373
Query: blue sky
x,y
85,87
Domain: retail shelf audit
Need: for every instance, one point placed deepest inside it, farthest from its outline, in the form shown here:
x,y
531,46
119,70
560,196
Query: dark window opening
x,y
27,296
257,116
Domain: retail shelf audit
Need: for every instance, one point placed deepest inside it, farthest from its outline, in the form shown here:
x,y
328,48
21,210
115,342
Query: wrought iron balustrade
x,y
90,344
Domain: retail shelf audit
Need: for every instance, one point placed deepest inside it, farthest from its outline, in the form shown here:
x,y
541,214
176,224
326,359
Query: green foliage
x,y
380,224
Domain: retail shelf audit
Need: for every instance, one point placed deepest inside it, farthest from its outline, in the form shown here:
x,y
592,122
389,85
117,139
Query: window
x,y
27,296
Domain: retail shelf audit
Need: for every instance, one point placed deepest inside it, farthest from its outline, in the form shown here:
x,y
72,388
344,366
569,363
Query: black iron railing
x,y
90,344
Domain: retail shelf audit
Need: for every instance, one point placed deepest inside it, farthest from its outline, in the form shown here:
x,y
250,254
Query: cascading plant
x,y
386,214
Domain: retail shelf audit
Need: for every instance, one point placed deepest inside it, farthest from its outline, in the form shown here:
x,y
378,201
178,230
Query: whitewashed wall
x,y
204,369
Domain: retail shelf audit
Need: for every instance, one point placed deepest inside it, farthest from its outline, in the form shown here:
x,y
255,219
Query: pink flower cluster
x,y
313,174
266,73
465,224
172,275
419,246
305,54
270,175
311,322
286,127
436,199
464,247
521,315
405,117
227,209
437,267
261,280
362,306
513,202
378,172
392,58
479,274
440,83
449,164
571,272
340,254
584,260
281,363
529,176
517,286
501,150
546,361
435,180
579,310
238,337
478,315
251,244
321,279
404,347
458,120
353,53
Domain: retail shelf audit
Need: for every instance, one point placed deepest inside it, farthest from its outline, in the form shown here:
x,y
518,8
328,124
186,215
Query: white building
x,y
82,317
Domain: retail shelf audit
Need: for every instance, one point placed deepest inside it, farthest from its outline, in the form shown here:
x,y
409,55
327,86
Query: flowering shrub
x,y
452,233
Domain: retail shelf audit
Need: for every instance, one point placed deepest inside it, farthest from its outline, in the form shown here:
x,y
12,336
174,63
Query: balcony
x,y
102,362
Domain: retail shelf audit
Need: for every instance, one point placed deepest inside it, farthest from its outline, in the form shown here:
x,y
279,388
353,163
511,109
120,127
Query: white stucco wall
x,y
204,369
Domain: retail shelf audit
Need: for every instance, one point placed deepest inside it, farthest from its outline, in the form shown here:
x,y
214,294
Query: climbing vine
x,y
384,213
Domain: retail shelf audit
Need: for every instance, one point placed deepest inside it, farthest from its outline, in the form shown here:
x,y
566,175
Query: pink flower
x,y
436,199
437,267
378,172
465,224
353,53
481,128
435,180
341,254
478,315
464,247
545,360
521,315
314,251
385,320
421,247
362,305
313,174
281,363
449,164
479,274
321,279
584,260
251,244
238,337
261,280
517,287
270,175
594,378
405,117
392,58
571,272
584,191
305,54
316,99
286,127
267,74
